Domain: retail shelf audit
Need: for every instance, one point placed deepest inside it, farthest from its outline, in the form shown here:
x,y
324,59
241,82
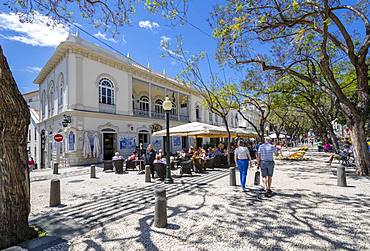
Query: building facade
x,y
114,104
33,138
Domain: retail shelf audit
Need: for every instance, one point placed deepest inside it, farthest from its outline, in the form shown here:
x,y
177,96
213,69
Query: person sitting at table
x,y
117,156
211,152
133,156
159,159
160,153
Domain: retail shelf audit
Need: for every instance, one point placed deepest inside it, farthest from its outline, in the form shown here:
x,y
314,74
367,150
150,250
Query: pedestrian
x,y
31,164
265,161
149,158
242,161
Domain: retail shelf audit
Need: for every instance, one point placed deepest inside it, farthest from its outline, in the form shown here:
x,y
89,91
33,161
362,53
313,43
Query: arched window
x,y
133,102
158,108
51,99
197,113
71,141
144,103
60,90
174,109
106,92
43,104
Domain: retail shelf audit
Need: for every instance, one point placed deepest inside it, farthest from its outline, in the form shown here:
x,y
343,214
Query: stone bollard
x,y
341,176
55,192
147,173
232,176
160,210
92,172
55,168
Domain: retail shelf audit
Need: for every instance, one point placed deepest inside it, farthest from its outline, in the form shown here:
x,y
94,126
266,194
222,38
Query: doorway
x,y
108,145
184,142
144,137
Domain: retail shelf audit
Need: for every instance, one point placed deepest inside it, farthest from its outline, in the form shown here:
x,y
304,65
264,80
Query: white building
x,y
114,104
33,139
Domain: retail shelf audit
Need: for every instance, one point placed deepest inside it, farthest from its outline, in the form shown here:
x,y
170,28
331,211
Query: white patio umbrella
x,y
281,136
244,133
86,146
96,151
195,129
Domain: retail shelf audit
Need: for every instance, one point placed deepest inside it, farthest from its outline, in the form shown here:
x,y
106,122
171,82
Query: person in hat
x,y
117,156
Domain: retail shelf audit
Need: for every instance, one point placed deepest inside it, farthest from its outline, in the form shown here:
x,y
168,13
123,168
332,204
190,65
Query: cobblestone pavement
x,y
115,212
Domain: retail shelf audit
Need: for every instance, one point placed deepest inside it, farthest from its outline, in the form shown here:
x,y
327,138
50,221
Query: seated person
x,y
327,147
133,156
117,156
159,159
211,152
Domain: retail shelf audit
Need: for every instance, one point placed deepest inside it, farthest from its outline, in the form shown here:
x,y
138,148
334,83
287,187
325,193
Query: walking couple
x,y
265,161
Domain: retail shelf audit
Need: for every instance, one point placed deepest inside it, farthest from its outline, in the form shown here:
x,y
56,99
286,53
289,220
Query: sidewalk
x,y
115,212
47,174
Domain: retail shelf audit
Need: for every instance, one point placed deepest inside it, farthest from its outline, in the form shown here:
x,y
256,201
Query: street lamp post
x,y
167,107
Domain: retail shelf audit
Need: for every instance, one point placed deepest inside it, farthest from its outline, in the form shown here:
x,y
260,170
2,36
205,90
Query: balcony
x,y
141,113
159,115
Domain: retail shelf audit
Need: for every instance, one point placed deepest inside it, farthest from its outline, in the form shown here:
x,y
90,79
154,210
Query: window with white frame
x,y
158,106
236,121
43,104
51,99
144,103
60,90
210,117
106,92
197,113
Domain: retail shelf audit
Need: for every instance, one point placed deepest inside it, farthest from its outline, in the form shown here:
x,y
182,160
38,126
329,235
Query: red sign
x,y
58,137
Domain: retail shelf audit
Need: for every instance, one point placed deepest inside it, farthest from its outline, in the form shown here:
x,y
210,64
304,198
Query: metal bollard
x,y
232,176
92,172
54,192
147,173
160,210
341,176
55,168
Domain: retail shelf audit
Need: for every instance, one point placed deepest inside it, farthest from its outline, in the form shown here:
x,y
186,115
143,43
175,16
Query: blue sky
x,y
29,46
141,40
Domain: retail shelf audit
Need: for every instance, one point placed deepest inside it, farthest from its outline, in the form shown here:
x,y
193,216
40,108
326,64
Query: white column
x,y
178,106
150,99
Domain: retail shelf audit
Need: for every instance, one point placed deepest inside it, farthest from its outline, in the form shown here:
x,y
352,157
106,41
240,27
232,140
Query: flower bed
x,y
297,155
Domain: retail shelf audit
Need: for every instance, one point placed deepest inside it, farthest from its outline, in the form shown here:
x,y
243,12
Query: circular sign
x,y
58,137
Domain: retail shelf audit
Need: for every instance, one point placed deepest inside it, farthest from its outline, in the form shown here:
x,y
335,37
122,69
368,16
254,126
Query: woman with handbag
x,y
242,161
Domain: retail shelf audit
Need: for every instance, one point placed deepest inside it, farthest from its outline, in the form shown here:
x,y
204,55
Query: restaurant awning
x,y
203,130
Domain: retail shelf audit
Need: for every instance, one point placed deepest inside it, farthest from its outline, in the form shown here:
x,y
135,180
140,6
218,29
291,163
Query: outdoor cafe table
x,y
140,163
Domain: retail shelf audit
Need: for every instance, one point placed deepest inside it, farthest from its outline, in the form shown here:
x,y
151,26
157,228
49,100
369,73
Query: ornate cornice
x,y
105,58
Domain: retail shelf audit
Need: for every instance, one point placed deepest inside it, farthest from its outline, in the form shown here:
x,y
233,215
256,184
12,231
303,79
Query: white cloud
x,y
164,43
104,37
148,25
37,33
33,69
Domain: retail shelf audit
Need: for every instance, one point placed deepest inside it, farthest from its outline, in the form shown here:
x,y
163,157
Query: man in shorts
x,y
265,161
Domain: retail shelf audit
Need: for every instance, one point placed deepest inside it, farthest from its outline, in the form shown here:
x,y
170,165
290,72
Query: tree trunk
x,y
333,138
14,178
360,148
